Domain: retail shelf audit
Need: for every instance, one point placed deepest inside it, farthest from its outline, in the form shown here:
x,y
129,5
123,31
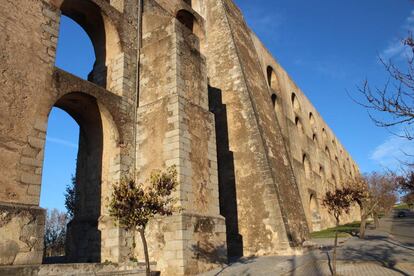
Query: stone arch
x,y
328,152
314,212
324,135
95,172
315,137
328,165
307,166
299,125
274,90
322,173
274,100
295,103
312,121
272,79
190,22
103,34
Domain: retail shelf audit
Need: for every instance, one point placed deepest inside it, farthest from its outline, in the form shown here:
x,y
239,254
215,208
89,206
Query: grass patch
x,y
345,230
401,206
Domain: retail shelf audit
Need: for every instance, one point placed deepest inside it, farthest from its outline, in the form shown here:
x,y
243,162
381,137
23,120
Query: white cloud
x,y
395,47
62,142
392,151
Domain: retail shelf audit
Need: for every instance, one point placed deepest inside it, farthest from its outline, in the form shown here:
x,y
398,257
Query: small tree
x,y
406,185
406,182
55,233
375,194
70,198
338,203
134,205
409,200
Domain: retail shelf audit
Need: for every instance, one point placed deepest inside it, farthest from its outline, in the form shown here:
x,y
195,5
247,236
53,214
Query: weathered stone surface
x,y
75,269
8,251
192,86
21,234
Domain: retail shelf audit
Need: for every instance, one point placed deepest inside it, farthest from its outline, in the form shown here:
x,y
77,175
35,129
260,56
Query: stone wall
x,y
253,155
21,234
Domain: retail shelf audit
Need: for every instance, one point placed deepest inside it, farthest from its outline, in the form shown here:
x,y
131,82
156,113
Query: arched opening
x,y
274,100
324,136
276,106
299,125
327,152
315,138
322,173
307,167
295,103
187,19
96,149
83,239
191,23
97,31
88,16
272,79
312,121
315,215
75,53
83,228
59,168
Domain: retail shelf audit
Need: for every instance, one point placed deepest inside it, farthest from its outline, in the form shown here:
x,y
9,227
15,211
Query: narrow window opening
x,y
187,19
295,102
299,124
307,167
312,120
274,100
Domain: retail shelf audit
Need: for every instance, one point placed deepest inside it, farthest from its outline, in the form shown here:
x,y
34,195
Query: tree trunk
x,y
144,244
362,227
376,220
334,250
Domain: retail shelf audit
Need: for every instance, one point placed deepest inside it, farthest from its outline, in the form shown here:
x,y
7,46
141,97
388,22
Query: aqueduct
x,y
175,82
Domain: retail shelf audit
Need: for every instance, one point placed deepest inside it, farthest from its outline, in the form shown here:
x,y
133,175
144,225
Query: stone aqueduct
x,y
253,155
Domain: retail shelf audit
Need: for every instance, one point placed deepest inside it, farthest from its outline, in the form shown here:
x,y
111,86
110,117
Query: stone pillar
x,y
176,128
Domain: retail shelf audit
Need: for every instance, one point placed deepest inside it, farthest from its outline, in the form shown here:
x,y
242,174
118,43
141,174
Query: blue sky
x,y
328,47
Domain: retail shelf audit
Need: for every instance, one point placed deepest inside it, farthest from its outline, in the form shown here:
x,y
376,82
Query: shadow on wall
x,y
226,174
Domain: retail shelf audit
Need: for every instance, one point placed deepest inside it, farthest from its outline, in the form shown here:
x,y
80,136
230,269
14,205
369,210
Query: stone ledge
x,y
75,269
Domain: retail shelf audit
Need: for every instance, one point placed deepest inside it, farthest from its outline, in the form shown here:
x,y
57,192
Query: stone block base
x,y
185,244
21,234
76,269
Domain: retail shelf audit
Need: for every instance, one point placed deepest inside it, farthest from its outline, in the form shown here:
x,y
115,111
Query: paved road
x,y
401,229
388,250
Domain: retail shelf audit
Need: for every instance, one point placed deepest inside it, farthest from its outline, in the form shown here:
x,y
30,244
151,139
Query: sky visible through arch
x,y
327,47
